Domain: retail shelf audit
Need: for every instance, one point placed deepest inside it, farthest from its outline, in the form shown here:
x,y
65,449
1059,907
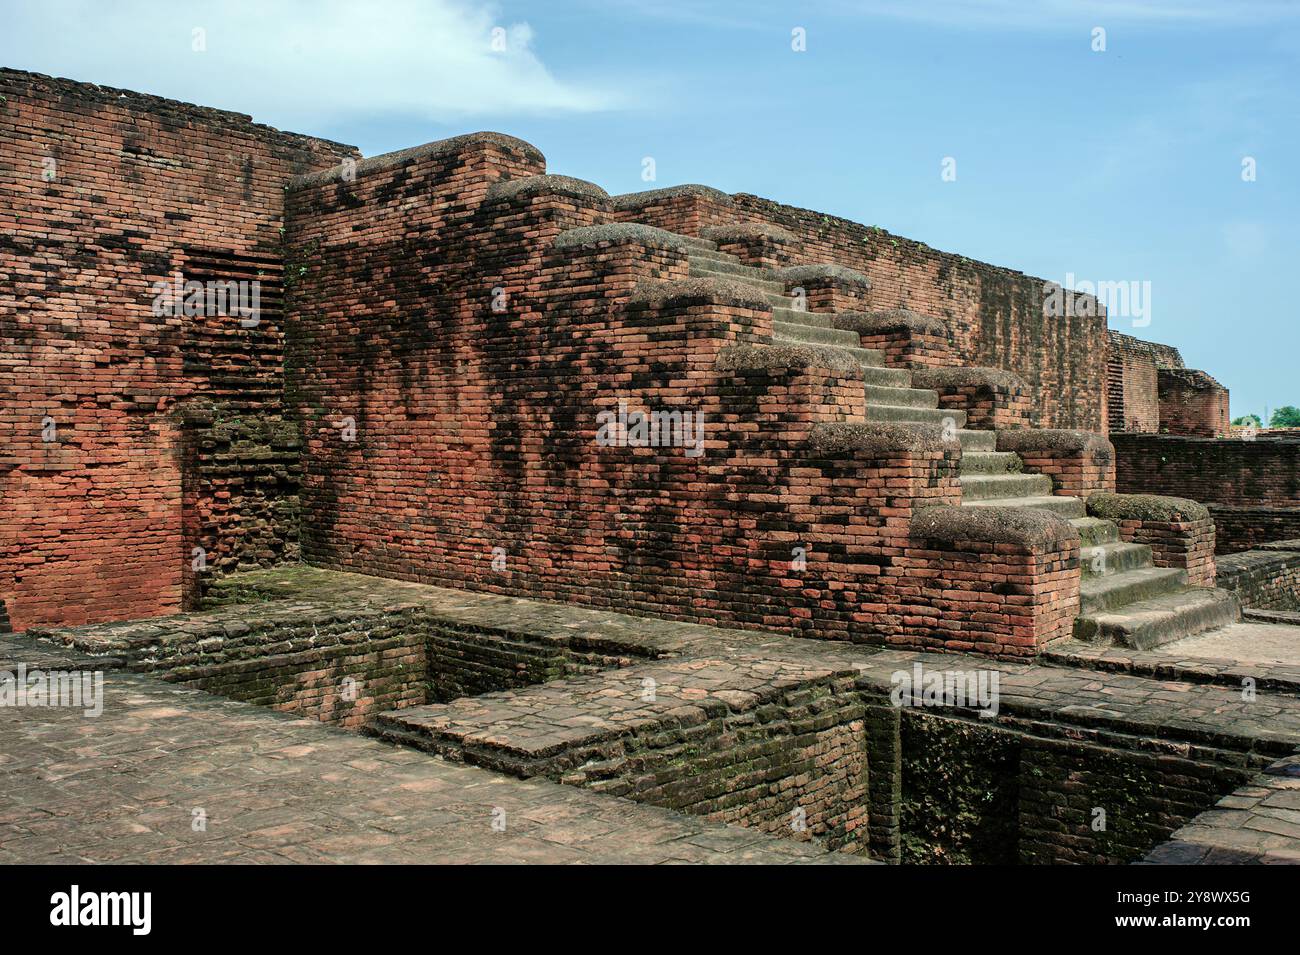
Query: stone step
x,y
1158,620
1057,504
1106,560
1095,530
990,462
1101,594
794,316
738,273
981,487
816,335
979,441
902,397
702,245
895,414
867,358
886,377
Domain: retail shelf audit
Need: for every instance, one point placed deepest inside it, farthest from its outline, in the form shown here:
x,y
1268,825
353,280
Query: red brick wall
x,y
1132,398
475,427
139,187
1192,403
1229,471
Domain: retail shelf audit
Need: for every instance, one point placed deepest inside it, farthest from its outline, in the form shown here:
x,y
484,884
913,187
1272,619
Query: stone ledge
x,y
619,233
635,200
998,379
891,320
528,186
998,525
698,291
742,358
1193,378
401,157
747,232
1057,442
1288,546
814,273
1144,507
835,438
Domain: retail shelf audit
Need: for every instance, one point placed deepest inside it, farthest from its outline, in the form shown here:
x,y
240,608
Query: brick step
x,y
1064,506
816,335
902,397
1095,530
1107,560
990,462
1162,619
981,487
391,727
977,441
895,414
1101,594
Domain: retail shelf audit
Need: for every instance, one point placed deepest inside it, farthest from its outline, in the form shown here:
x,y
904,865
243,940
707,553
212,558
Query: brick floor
x,y
122,787
1148,700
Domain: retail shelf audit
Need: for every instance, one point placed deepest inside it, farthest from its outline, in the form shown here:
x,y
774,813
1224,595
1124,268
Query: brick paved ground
x,y
1258,823
122,788
318,790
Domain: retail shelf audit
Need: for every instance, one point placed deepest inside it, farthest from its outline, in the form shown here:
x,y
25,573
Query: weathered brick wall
x,y
1144,797
1180,532
1243,528
475,461
1252,488
1149,390
996,315
1131,391
1231,471
974,793
1266,579
104,192
795,767
1192,403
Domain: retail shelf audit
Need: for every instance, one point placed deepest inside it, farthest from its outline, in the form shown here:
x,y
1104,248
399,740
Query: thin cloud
x,y
302,63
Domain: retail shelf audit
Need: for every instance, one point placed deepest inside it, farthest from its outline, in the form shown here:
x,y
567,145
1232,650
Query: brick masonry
x,y
996,316
106,192
1150,391
446,326
1252,488
1264,579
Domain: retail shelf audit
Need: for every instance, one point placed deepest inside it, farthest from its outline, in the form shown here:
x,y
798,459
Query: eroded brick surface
x,y
123,788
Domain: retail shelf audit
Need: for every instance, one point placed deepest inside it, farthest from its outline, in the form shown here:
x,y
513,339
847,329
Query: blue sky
x,y
1122,165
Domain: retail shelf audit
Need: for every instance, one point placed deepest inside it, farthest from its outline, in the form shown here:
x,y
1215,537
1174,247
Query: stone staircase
x,y
1124,599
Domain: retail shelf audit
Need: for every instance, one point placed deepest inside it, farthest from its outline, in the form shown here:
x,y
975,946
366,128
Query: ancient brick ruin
x,y
752,457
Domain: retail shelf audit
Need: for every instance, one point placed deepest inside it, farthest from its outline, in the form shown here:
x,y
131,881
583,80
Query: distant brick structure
x,y
1192,403
1149,390
1132,398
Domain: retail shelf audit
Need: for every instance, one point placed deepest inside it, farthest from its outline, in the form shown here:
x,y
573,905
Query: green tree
x,y
1248,419
1288,416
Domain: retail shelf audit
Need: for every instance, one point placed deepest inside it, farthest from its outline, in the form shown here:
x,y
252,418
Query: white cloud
x,y
300,63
